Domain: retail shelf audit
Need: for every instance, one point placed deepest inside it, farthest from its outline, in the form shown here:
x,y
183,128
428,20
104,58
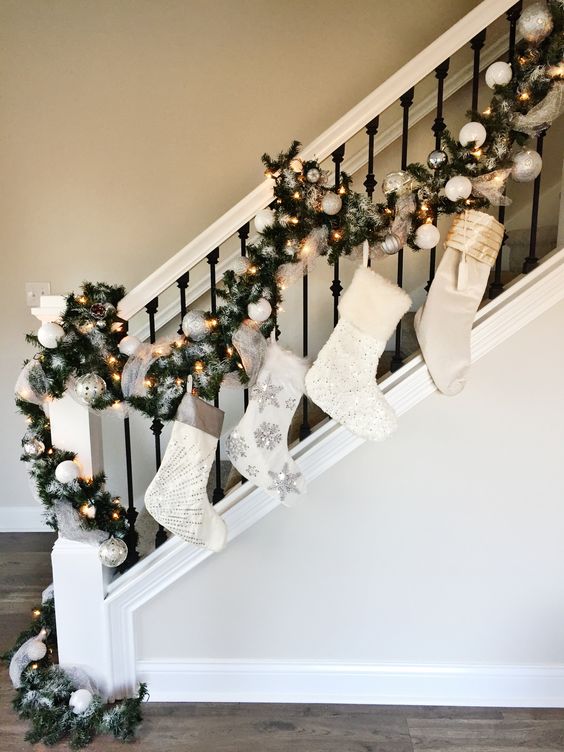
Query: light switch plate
x,y
34,291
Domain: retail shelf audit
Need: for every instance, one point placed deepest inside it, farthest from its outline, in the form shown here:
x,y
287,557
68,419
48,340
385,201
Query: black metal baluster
x,y
370,181
305,428
531,262
496,287
243,237
218,492
131,514
336,287
182,284
476,44
156,424
441,72
406,100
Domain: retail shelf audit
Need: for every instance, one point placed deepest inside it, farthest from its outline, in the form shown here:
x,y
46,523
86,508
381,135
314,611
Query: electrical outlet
x,y
34,291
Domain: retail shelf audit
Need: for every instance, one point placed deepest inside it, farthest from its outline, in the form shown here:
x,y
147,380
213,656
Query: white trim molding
x,y
522,302
366,683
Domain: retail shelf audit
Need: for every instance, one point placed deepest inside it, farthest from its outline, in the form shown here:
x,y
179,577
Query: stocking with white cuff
x,y
444,322
177,496
258,446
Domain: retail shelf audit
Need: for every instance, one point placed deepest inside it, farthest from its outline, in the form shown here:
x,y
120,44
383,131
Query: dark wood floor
x,y
25,570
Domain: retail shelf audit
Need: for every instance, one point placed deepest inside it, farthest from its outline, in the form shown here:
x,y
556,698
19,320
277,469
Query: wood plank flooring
x,y
230,727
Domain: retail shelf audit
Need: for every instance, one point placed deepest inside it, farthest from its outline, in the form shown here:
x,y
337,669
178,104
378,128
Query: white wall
x,y
442,546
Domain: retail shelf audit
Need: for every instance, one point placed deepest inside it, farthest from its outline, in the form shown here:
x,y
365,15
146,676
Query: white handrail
x,y
336,135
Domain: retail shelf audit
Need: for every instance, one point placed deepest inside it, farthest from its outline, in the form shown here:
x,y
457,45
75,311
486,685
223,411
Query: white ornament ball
x,y
195,325
49,334
296,165
427,236
80,701
264,219
313,175
472,133
527,165
498,74
458,187
535,23
112,552
36,650
331,203
129,345
240,265
400,182
260,310
67,471
89,387
90,511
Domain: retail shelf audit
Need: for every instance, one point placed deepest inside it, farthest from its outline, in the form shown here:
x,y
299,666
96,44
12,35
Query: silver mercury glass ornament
x,y
400,182
313,175
112,552
34,447
437,158
194,325
535,23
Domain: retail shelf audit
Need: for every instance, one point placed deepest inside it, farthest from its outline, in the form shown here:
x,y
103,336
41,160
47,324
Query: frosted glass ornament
x,y
472,133
427,236
458,187
331,204
195,325
49,334
260,310
36,650
34,447
498,74
67,471
313,175
400,182
80,700
535,23
129,345
264,219
527,165
112,552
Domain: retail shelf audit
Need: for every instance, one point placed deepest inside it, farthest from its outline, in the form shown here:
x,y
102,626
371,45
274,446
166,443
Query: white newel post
x,y
80,580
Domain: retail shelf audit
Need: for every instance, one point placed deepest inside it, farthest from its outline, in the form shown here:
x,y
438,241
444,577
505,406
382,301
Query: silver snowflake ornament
x,y
251,471
265,394
284,482
267,436
236,446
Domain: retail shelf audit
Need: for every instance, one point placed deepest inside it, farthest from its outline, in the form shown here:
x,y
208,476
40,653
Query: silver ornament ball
x,y
313,175
89,387
391,244
527,165
400,182
112,552
436,159
331,203
34,448
535,23
194,325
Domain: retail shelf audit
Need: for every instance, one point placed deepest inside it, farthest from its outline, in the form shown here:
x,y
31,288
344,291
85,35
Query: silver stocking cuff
x,y
193,411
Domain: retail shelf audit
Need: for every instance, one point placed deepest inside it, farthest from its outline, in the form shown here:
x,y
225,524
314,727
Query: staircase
x,y
364,142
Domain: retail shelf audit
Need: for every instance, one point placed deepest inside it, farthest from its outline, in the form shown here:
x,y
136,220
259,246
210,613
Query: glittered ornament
x,y
49,334
36,650
34,447
260,310
129,345
436,159
472,133
80,700
527,165
313,175
98,310
89,387
498,74
331,203
112,552
400,182
66,471
240,265
194,325
458,187
535,23
427,236
391,244
264,219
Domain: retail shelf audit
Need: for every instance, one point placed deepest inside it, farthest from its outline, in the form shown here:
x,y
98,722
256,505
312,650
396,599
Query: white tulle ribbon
x,y
251,347
491,186
23,656
401,224
25,390
311,249
69,524
543,114
135,370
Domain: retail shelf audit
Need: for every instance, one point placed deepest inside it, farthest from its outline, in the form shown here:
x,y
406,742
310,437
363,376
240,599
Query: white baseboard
x,y
23,519
380,684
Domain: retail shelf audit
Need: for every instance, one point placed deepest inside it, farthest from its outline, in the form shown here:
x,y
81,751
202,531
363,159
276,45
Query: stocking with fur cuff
x,y
342,381
443,324
258,445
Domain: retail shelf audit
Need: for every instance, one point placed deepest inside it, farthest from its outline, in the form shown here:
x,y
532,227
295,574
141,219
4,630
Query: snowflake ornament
x,y
267,436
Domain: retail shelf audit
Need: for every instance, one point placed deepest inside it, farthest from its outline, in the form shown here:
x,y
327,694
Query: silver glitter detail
x,y
264,394
284,482
236,446
290,403
267,436
251,471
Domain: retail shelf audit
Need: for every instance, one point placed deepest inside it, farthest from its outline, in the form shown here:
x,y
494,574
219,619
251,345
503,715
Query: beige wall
x,y
128,126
